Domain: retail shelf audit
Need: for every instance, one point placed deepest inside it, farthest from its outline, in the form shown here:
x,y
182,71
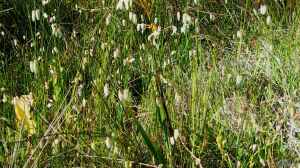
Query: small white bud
x,y
123,95
172,141
269,20
238,79
35,15
45,2
239,34
108,142
33,66
108,19
176,134
178,16
133,17
263,9
106,90
174,30
212,17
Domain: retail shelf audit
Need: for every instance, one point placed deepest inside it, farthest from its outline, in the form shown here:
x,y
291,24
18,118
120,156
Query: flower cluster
x,y
124,4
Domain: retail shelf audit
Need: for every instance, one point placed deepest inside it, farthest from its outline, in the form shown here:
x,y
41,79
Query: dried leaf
x,y
22,108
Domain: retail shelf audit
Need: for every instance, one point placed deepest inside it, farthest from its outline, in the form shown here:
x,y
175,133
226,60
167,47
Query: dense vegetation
x,y
149,83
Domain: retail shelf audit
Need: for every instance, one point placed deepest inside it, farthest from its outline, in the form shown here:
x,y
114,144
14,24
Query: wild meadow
x,y
149,83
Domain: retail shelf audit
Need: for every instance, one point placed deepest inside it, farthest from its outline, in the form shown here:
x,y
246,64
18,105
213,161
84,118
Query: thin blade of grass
x,y
159,158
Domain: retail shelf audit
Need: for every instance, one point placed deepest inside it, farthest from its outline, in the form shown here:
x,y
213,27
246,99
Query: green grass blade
x,y
158,155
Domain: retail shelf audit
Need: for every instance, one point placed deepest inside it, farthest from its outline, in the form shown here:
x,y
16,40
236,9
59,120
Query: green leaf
x,y
158,155
162,122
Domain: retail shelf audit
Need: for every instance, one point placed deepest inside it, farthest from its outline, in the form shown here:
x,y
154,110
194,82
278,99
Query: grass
x,y
225,93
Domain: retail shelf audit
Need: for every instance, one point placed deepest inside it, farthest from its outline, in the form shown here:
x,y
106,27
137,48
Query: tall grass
x,y
152,84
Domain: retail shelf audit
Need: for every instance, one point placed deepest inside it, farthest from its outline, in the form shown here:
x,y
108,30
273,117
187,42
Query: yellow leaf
x,y
22,108
152,27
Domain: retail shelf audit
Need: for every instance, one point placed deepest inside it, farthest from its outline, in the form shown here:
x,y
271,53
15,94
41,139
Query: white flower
x,y
172,141
198,162
38,35
178,16
177,99
86,52
262,162
154,36
35,15
103,46
46,84
79,91
15,42
176,134
192,52
84,102
174,30
116,53
45,2
184,28
75,108
106,90
45,15
141,27
51,70
254,147
52,19
128,60
173,52
263,9
49,105
239,34
212,17
238,79
54,50
91,52
133,17
197,29
124,4
186,19
108,142
120,5
142,47
32,44
33,66
93,145
56,30
269,20
155,20
4,99
108,19
84,62
123,94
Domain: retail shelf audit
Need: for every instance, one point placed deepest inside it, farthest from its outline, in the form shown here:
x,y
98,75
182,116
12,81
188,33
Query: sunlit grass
x,y
149,84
